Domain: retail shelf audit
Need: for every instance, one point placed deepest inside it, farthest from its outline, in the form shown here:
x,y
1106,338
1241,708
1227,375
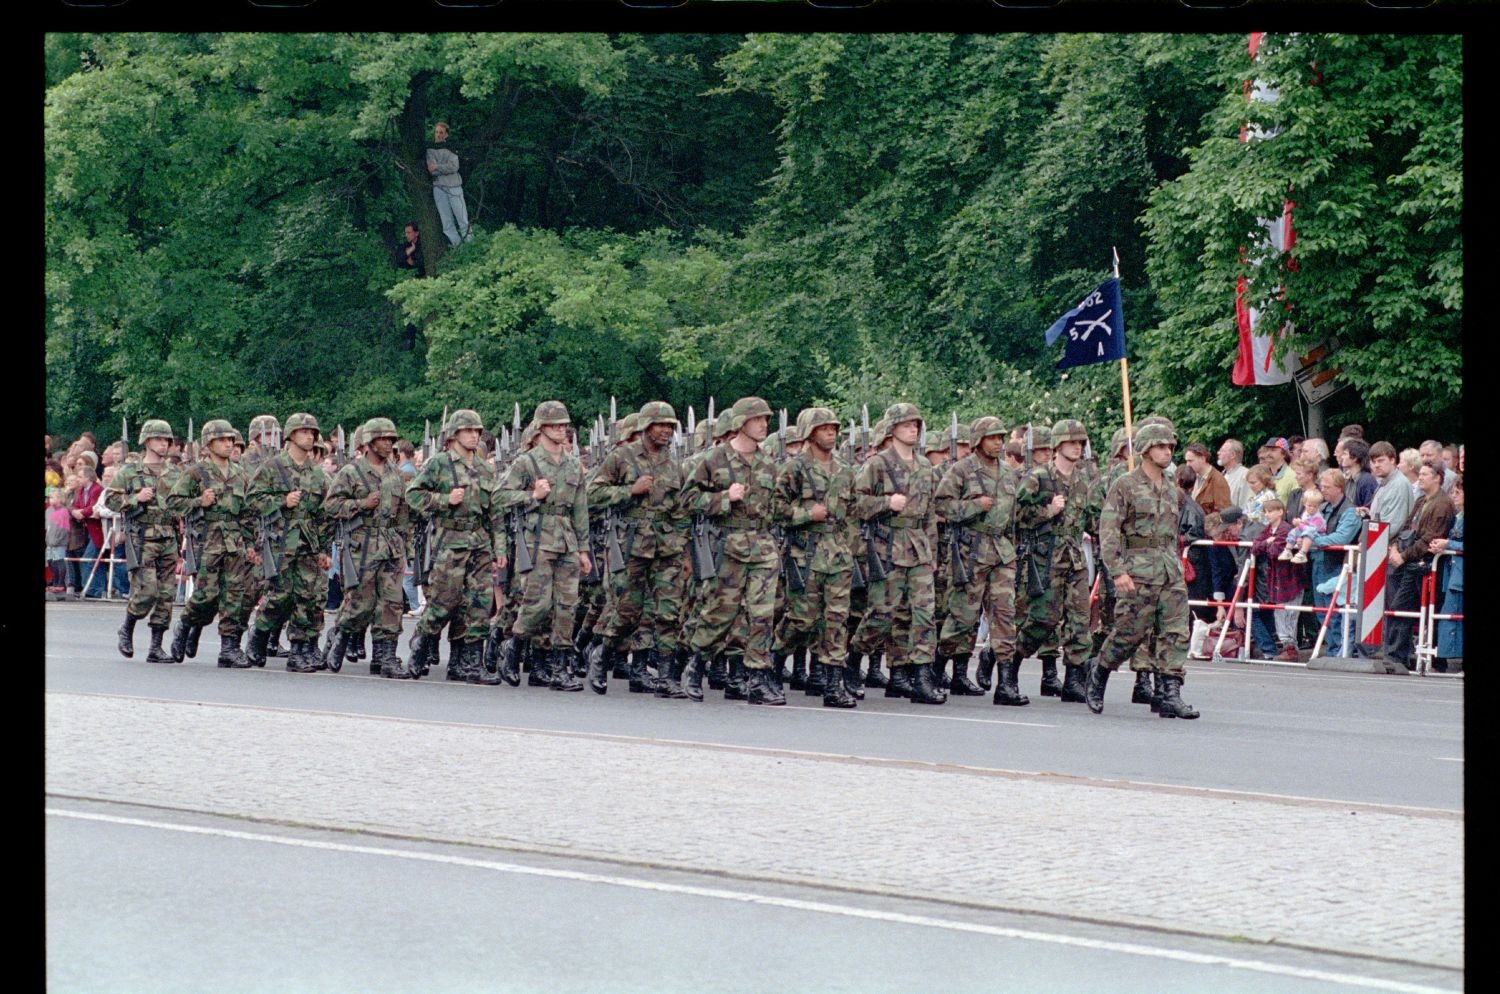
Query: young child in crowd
x,y
1262,488
1305,527
58,523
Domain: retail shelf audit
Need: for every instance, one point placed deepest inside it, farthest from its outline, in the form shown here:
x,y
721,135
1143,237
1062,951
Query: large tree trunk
x,y
411,129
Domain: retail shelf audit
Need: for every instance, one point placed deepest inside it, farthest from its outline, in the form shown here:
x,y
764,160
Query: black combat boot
x,y
718,671
961,685
192,641
760,688
301,658
230,655
178,651
924,688
418,647
356,650
1156,693
455,668
125,640
622,665
669,669
853,683
510,659
334,652
256,653
1007,688
540,674
986,668
1141,693
899,685
940,672
798,678
487,662
692,677
274,646
600,664
1172,705
817,676
735,684
383,651
641,682
1097,680
1051,685
835,695
156,654
470,656
874,676
562,672
1073,683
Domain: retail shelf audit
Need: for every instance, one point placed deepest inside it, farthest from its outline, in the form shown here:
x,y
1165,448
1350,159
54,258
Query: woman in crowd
x,y
1341,528
86,536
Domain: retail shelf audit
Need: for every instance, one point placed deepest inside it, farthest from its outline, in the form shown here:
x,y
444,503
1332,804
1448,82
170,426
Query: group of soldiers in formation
x,y
721,554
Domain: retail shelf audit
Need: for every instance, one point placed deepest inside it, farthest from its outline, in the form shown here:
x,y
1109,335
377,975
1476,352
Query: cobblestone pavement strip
x,y
1362,880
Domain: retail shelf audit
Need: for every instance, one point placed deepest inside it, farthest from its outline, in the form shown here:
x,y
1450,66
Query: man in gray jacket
x,y
448,187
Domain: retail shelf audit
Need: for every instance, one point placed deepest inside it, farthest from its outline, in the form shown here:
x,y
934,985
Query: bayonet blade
x,y
515,418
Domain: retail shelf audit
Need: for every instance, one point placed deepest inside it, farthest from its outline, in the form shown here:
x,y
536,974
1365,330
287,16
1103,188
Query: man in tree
x,y
368,499
1138,534
448,187
210,499
138,493
547,485
287,492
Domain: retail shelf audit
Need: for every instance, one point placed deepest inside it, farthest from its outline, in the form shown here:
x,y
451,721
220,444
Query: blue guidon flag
x,y
1095,329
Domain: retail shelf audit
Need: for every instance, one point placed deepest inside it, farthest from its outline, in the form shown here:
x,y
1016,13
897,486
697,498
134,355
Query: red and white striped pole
x,y
1372,583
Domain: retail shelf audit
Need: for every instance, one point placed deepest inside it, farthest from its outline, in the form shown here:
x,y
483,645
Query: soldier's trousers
x,y
295,598
909,588
738,607
375,603
992,593
153,585
1159,609
818,617
646,601
221,587
460,589
548,595
1060,616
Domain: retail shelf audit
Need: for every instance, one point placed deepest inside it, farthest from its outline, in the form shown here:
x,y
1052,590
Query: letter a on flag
x,y
1094,330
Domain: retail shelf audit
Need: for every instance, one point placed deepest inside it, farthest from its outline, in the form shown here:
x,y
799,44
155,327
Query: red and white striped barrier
x,y
1376,542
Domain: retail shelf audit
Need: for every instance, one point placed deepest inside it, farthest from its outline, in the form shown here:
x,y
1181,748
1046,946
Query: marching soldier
x,y
1058,504
138,493
813,492
641,485
715,434
1138,532
734,485
546,485
265,444
978,498
287,493
220,527
368,504
893,496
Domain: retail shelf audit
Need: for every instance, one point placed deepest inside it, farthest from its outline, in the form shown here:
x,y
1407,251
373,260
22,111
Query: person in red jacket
x,y
81,510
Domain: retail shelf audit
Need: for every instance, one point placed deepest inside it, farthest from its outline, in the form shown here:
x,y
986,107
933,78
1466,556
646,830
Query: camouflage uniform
x,y
152,531
295,596
711,435
265,443
467,540
373,549
1138,532
818,614
1058,615
559,526
646,595
224,532
737,606
905,540
985,539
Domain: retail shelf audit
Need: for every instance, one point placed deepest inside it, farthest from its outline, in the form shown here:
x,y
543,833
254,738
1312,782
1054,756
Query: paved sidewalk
x,y
1359,879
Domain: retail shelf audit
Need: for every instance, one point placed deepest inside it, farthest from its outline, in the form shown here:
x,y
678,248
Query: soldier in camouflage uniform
x,y
863,639
546,487
1138,532
138,493
641,484
714,433
368,501
813,491
734,485
460,492
893,495
595,599
1140,663
978,497
265,444
1058,504
287,493
210,498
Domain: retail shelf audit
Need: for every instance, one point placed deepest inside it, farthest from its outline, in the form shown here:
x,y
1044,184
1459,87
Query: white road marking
x,y
794,904
1449,759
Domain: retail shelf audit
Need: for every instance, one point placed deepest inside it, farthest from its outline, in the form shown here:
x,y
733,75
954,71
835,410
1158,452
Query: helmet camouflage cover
x,y
746,408
814,417
379,428
1117,441
1154,434
1041,437
900,413
217,428
263,423
463,418
1158,419
1069,430
629,425
154,428
297,421
879,432
986,426
551,412
656,412
937,441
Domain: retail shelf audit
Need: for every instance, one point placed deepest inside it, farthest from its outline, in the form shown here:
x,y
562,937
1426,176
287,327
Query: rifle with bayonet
x,y
515,526
703,536
192,527
422,527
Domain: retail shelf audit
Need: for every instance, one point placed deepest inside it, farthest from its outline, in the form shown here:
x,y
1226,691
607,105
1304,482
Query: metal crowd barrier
x,y
1425,647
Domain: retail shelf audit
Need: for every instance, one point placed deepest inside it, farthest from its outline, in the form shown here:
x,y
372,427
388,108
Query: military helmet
x,y
1154,434
1118,441
724,424
297,421
655,412
744,409
792,435
937,441
463,418
155,428
358,437
1069,430
964,436
879,432
700,434
814,417
528,437
263,423
217,428
1158,419
1041,437
551,412
984,427
629,425
379,428
238,438
899,413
